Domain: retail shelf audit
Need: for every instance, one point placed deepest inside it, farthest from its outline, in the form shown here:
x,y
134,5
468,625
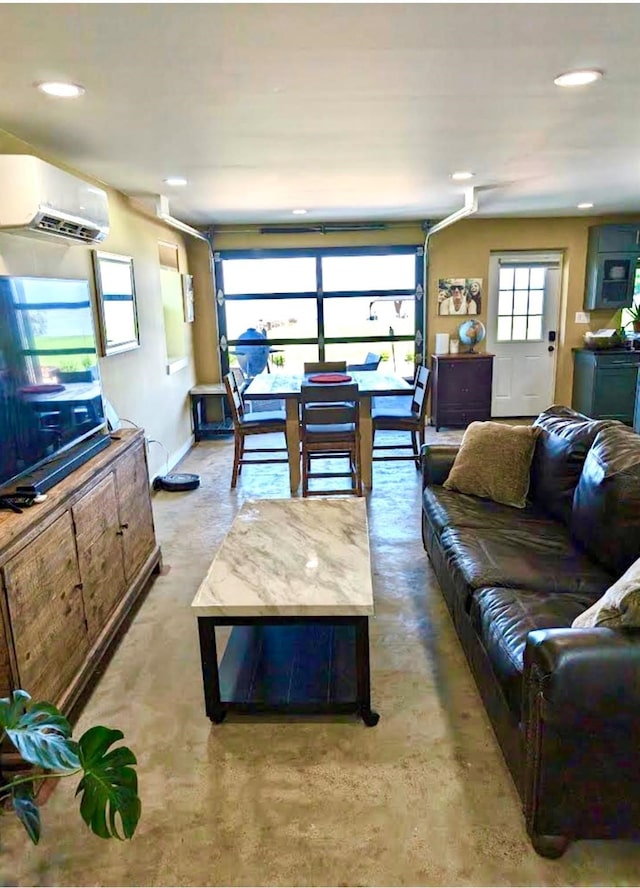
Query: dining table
x,y
286,387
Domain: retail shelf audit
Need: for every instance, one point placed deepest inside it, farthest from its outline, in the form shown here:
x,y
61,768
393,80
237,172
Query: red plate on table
x,y
329,377
44,389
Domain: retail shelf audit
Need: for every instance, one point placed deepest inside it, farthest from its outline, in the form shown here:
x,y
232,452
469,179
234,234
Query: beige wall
x,y
464,250
136,382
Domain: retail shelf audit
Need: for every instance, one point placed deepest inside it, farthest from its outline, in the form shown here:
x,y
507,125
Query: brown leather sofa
x,y
564,703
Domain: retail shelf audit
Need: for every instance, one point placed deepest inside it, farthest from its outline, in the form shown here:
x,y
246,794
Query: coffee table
x,y
293,579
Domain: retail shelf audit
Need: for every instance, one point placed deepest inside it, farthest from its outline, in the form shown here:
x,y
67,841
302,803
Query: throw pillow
x,y
619,607
493,462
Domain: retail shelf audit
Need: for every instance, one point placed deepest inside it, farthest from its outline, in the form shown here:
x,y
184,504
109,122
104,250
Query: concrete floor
x,y
422,799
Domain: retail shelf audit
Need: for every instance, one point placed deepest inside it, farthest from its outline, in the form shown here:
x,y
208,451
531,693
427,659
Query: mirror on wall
x,y
117,311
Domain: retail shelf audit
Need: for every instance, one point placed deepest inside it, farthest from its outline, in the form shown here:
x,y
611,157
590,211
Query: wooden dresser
x,y
460,389
70,570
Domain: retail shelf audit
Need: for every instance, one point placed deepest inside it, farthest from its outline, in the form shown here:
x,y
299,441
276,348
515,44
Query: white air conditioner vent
x,y
75,230
40,200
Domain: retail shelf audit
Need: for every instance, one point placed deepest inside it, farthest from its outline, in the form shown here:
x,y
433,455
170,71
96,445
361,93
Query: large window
x,y
280,308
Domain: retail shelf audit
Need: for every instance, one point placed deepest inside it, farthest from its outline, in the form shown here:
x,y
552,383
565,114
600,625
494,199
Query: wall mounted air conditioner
x,y
39,200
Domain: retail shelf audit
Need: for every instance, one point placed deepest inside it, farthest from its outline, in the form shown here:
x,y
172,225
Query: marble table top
x,y
267,386
292,557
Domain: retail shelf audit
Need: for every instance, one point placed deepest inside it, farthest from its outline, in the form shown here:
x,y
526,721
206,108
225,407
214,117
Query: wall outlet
x,y
583,317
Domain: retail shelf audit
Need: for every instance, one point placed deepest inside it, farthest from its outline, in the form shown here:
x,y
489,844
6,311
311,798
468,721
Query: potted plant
x,y
108,787
634,313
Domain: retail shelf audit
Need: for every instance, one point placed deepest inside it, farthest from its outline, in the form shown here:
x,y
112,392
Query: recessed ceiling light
x,y
577,78
61,90
299,212
461,175
585,206
175,181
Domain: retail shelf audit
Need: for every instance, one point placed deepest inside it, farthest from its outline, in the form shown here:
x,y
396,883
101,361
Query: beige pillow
x,y
619,607
494,462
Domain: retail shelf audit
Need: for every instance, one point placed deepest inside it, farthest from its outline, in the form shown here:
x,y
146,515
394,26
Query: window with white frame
x,y
521,294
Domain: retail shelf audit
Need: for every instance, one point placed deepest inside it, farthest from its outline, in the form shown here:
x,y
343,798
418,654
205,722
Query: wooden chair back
x,y
325,367
234,397
420,391
327,405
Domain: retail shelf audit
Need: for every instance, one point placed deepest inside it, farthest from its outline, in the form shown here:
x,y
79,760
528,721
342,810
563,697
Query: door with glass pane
x,y
522,329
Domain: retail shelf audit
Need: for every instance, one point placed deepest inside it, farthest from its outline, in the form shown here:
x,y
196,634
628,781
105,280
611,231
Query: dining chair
x,y
329,430
409,417
254,424
324,367
370,362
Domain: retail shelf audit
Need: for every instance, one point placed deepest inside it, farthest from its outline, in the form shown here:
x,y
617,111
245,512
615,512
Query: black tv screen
x,y
50,393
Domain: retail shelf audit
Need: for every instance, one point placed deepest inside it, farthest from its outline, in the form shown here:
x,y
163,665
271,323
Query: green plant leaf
x,y
110,786
40,733
27,810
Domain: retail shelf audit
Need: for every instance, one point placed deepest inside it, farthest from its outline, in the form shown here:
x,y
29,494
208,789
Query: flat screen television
x,y
50,392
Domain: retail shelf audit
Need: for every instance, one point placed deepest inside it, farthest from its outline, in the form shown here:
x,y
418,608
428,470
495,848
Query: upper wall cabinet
x,y
612,257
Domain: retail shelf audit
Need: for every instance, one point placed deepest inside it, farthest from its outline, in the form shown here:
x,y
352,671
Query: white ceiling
x,y
353,111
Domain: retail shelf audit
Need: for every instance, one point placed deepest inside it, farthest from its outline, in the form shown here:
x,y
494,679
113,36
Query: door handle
x,y
551,348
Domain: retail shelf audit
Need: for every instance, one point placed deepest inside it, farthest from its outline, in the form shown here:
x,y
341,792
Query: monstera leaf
x,y
27,810
42,735
110,786
39,732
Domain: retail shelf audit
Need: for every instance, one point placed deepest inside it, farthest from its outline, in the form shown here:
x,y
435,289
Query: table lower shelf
x,y
303,668
208,430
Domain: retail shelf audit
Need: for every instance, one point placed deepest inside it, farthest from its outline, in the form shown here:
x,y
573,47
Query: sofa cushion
x,y
544,559
619,607
606,506
503,618
561,448
446,508
493,462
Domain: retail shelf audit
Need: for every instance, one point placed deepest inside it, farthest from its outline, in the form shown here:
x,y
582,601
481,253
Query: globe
x,y
471,333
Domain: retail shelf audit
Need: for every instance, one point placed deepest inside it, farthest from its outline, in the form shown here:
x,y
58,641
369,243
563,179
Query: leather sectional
x,y
564,702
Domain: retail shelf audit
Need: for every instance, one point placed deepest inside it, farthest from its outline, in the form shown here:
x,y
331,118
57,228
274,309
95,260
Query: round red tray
x,y
330,377
44,389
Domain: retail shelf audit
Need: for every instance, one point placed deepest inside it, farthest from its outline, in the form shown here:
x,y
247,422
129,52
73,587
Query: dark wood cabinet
x,y
612,257
460,389
604,383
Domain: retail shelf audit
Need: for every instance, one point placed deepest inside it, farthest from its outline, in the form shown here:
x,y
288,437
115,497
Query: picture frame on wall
x,y
187,298
460,296
116,298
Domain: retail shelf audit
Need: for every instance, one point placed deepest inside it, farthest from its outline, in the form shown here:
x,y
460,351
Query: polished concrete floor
x,y
422,799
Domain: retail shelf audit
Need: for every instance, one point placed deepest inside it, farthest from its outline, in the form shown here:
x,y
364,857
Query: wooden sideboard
x,y
71,568
461,389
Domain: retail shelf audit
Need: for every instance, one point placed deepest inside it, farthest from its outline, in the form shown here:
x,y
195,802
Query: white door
x,y
522,331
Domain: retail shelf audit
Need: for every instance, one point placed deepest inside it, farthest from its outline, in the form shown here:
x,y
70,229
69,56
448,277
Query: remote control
x,y
20,499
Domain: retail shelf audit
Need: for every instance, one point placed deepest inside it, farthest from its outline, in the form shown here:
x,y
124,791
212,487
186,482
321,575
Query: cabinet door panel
x,y
614,395
619,239
47,614
98,535
460,382
134,504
